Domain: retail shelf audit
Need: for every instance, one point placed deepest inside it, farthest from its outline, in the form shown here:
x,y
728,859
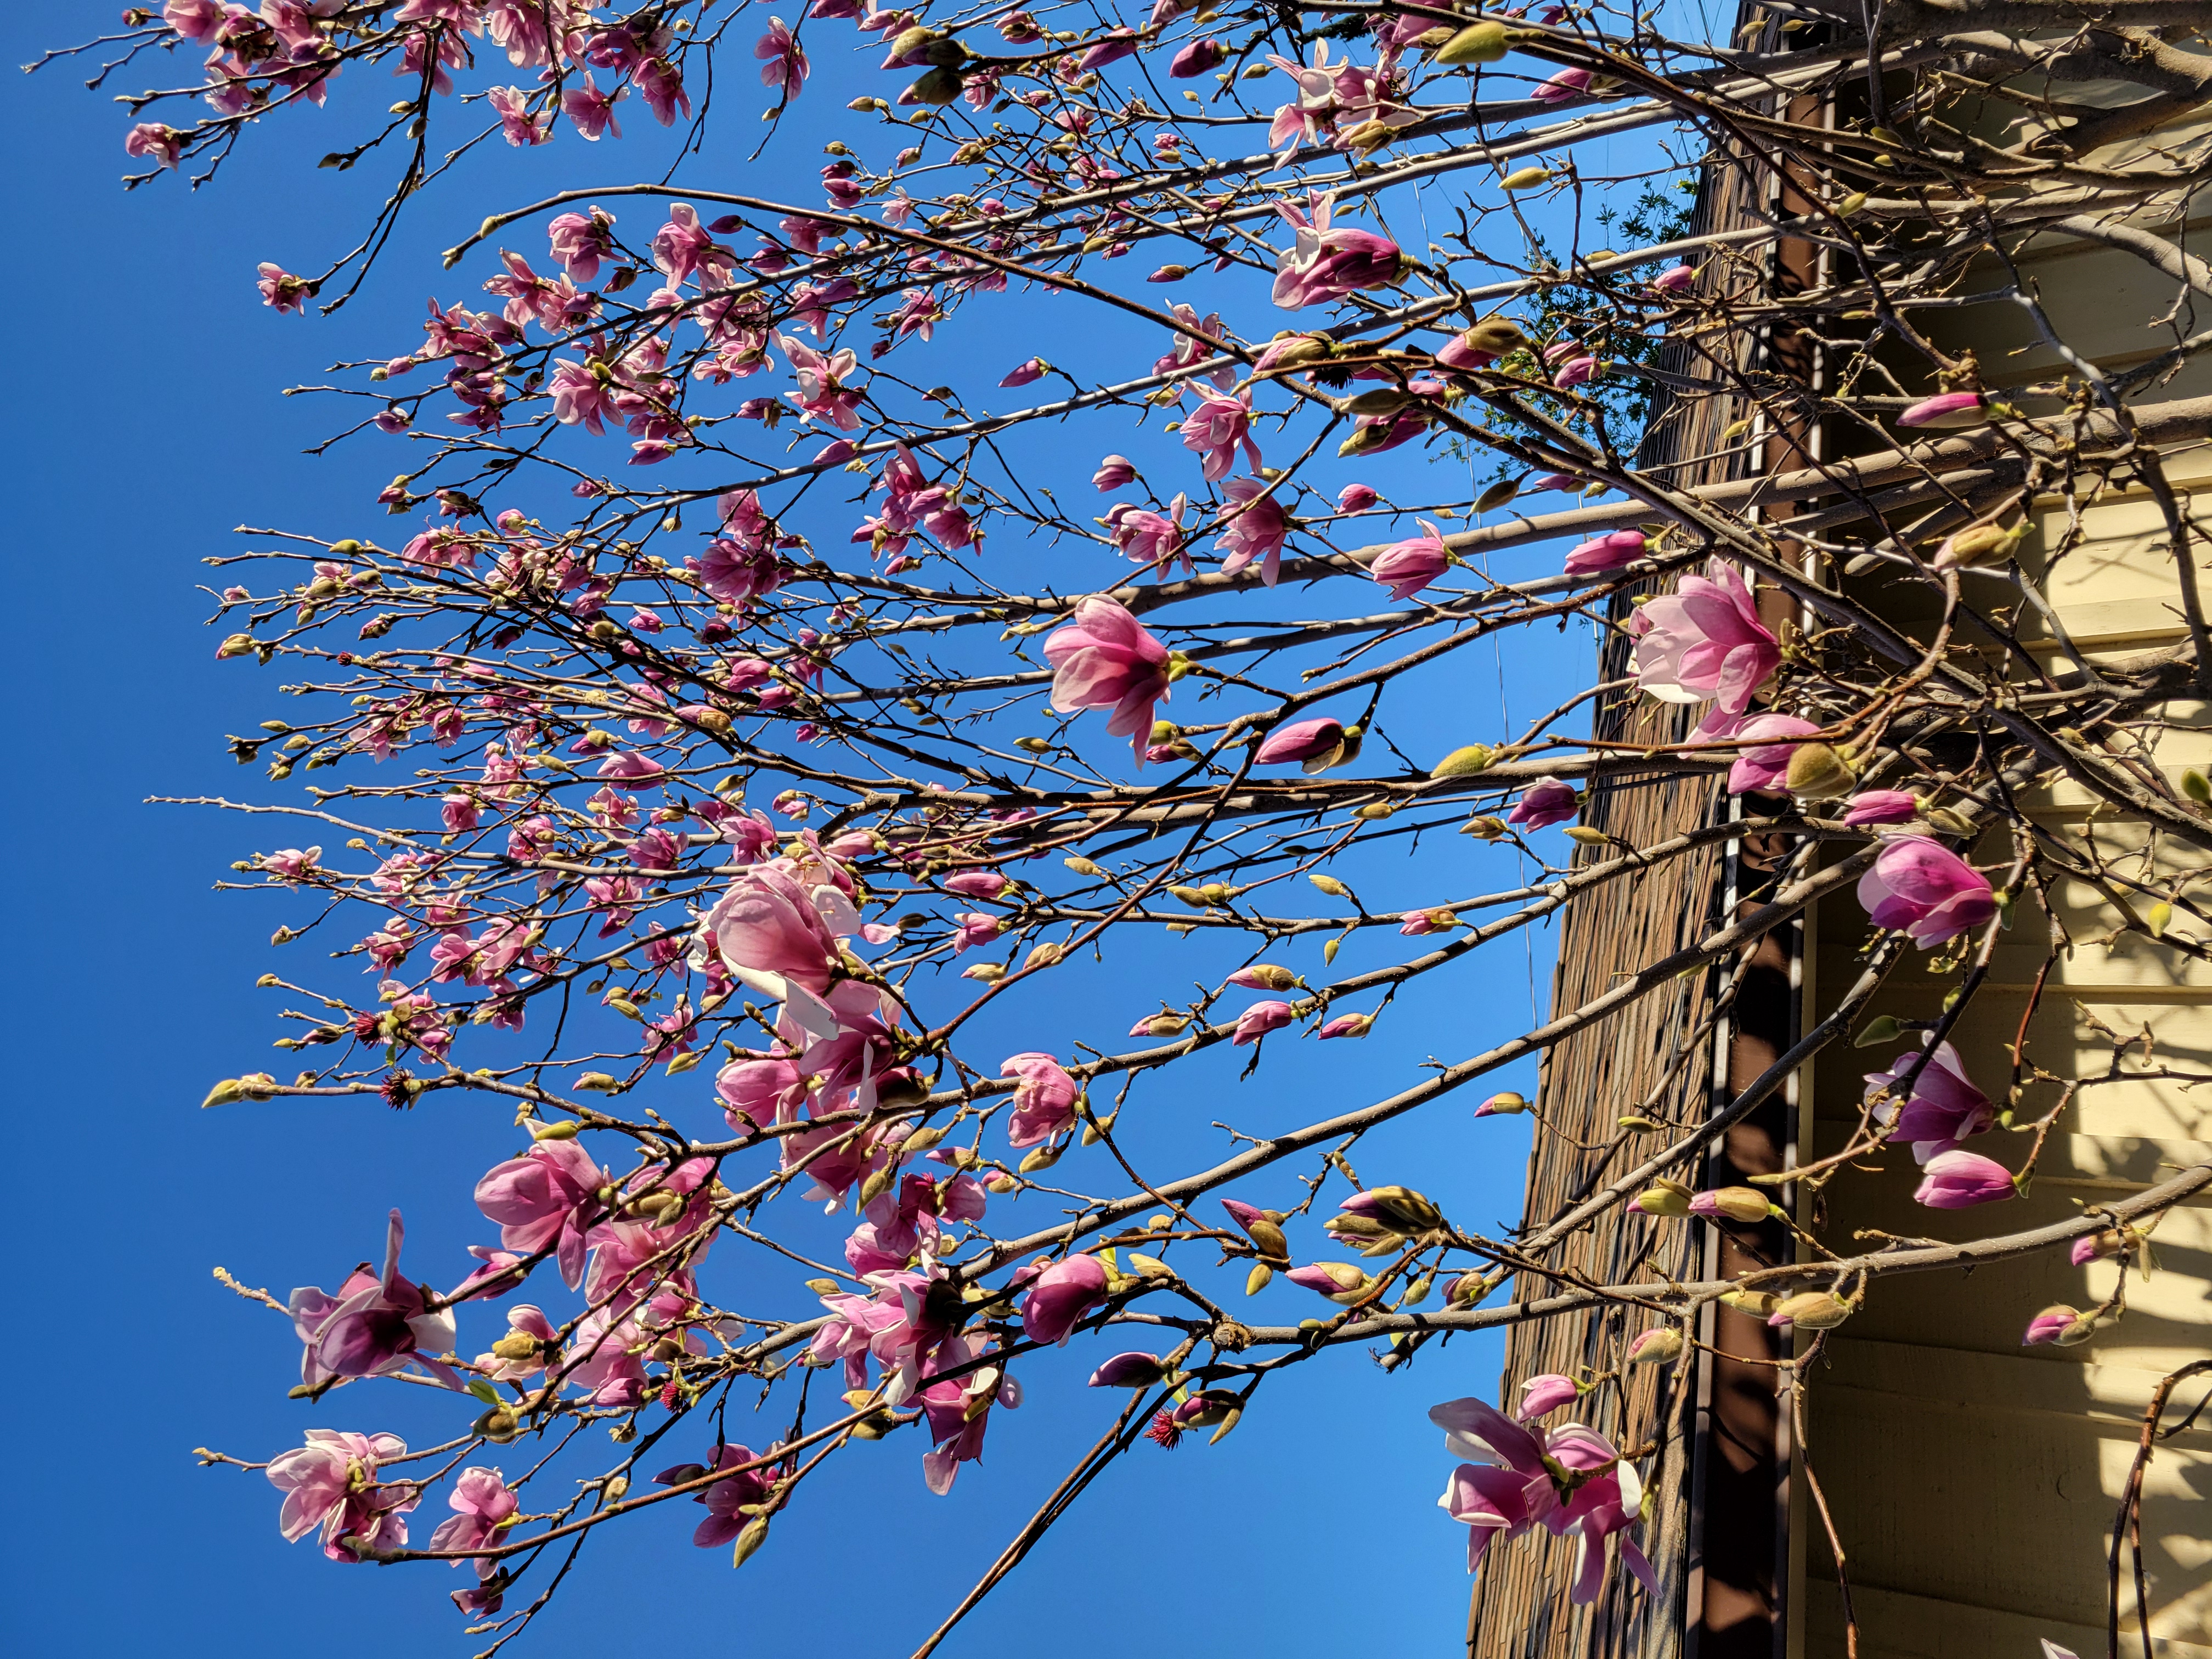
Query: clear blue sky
x,y
144,422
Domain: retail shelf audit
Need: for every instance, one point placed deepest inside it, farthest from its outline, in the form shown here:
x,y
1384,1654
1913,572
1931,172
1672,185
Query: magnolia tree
x,y
749,699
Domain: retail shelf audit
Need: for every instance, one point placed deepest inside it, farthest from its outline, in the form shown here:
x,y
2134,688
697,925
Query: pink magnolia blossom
x,y
1571,1481
580,241
726,1496
330,1484
1305,741
1765,763
1407,567
374,1326
1704,641
282,291
1105,659
1322,265
1060,1295
591,110
1541,1395
1148,537
1881,806
759,1089
194,20
1348,1026
1607,552
1255,528
155,138
1214,429
1044,1098
1959,1181
1943,1109
823,394
1028,369
519,123
548,1196
1924,889
1261,1019
1113,472
1355,498
958,1411
783,60
973,929
773,930
1545,802
482,1503
1679,280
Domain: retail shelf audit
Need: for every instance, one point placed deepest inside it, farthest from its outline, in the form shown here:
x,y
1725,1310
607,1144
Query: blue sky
x,y
146,422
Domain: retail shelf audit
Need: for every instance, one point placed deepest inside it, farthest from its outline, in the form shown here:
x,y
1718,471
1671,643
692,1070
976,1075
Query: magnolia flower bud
x,y
1257,1279
1980,544
1525,179
1757,1303
499,1425
1663,1197
754,1535
1130,1370
1264,976
1400,1207
1819,773
516,1345
1814,1310
1655,1346
1495,335
1498,495
940,86
1485,828
1745,1203
1464,763
1505,1104
1480,43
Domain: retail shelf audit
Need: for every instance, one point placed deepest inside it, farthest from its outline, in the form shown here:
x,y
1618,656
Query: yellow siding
x,y
1975,1481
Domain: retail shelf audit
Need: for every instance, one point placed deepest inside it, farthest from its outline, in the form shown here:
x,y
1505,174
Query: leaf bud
x,y
1256,1281
2197,786
1042,1158
1882,1028
1484,828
